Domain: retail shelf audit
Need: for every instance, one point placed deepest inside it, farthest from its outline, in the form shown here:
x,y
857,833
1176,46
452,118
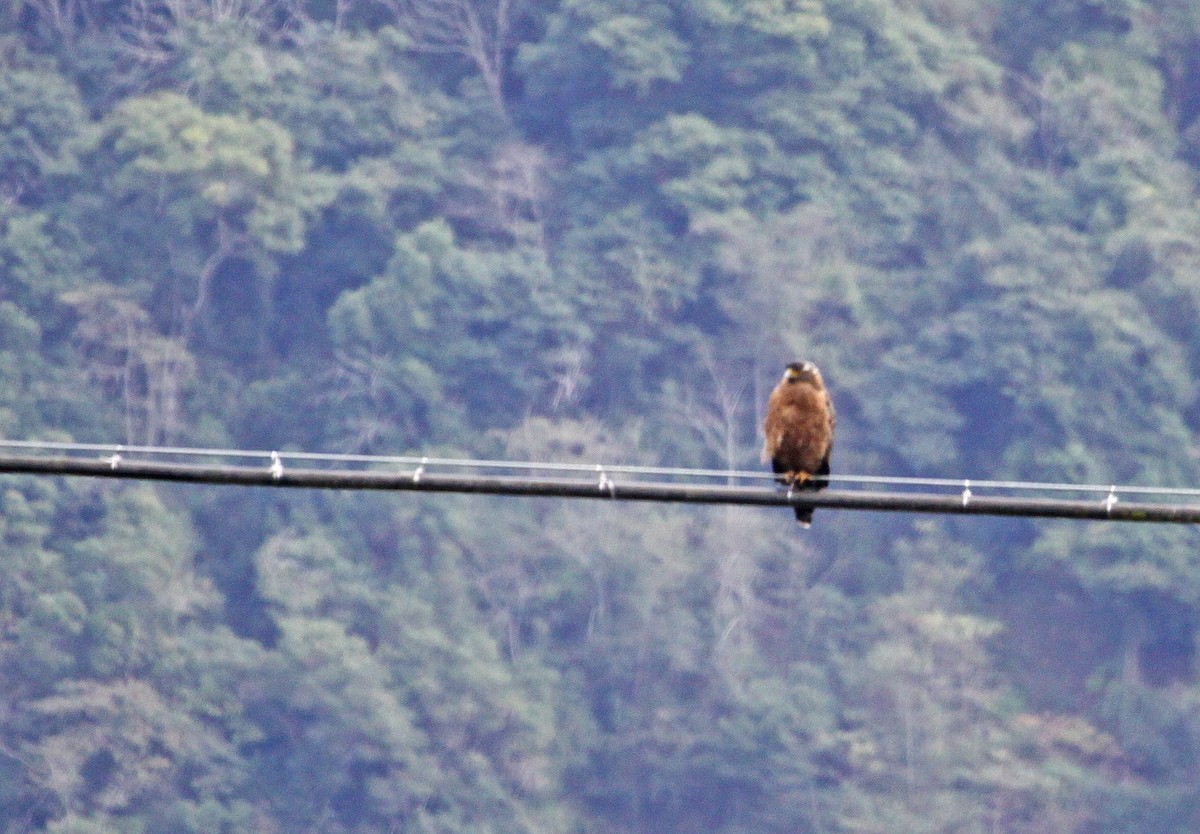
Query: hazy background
x,y
593,231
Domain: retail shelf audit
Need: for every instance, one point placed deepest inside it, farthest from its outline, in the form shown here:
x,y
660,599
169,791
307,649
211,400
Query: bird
x,y
799,431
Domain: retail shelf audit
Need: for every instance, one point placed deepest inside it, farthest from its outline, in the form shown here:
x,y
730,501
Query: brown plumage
x,y
799,431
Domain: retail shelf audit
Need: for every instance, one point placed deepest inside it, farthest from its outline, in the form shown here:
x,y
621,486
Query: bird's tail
x,y
804,516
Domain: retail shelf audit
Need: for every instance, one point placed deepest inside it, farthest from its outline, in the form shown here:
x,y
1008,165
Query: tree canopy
x,y
594,231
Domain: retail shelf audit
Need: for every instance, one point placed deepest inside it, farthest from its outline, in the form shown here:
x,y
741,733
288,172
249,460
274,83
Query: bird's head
x,y
803,372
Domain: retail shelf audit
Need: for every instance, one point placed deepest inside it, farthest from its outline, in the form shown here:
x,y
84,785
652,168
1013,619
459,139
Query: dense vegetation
x,y
593,230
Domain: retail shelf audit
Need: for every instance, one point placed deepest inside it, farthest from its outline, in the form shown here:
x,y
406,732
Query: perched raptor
x,y
799,431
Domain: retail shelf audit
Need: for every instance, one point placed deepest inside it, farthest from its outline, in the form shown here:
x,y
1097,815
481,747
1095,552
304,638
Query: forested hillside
x,y
593,231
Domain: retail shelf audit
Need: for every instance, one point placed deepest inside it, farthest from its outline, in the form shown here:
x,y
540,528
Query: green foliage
x,y
413,706
592,232
40,115
237,171
402,383
235,195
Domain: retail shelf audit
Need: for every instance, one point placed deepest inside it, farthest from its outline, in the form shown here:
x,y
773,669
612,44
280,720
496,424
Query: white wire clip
x,y
606,485
966,493
1111,499
276,466
420,470
114,461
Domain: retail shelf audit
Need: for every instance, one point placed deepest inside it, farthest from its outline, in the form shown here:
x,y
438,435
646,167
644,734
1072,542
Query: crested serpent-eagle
x,y
799,431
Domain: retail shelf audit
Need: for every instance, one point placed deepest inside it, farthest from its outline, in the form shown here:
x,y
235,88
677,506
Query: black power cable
x,y
603,488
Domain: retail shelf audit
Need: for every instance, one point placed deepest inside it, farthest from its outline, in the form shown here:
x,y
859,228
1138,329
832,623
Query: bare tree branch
x,y
477,30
